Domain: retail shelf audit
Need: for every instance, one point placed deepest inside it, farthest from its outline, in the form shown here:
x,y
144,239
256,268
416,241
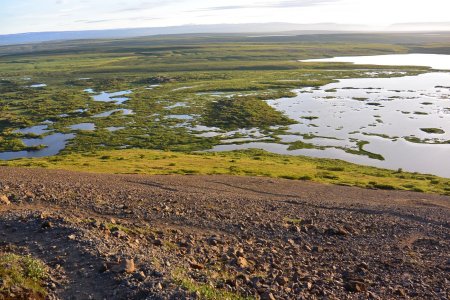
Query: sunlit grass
x,y
242,163
22,274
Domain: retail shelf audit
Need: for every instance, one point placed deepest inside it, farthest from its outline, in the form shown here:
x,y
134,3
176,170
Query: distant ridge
x,y
252,28
37,37
434,26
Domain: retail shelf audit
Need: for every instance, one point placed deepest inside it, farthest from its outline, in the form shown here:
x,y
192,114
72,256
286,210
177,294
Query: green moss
x,y
243,112
309,118
205,291
433,130
23,274
236,163
384,186
302,145
361,151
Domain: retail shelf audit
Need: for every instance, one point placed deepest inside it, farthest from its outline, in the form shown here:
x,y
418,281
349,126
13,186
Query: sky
x,y
18,16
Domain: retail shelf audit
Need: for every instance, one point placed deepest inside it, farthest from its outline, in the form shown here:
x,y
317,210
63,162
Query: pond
x,y
38,130
116,97
54,142
435,61
114,128
396,122
406,120
38,85
83,126
124,112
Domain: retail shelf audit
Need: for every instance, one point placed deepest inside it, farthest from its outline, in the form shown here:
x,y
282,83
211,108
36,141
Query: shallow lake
x,y
83,126
124,112
38,129
54,142
435,61
405,120
116,97
38,85
388,113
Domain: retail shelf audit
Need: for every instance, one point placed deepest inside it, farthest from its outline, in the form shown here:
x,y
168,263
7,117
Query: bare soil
x,y
157,237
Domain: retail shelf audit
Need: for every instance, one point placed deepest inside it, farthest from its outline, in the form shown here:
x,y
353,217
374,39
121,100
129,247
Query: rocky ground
x,y
219,237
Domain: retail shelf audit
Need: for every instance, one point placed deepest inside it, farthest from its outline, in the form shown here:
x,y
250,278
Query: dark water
x,y
55,143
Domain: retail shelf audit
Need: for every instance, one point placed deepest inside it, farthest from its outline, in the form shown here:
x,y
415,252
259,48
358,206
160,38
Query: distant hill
x,y
266,28
434,26
250,29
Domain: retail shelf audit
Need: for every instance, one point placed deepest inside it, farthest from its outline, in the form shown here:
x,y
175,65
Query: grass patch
x,y
22,274
433,130
243,113
298,145
292,221
240,163
361,151
205,291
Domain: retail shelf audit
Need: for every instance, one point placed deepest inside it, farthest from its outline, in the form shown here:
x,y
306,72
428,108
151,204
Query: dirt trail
x,y
255,237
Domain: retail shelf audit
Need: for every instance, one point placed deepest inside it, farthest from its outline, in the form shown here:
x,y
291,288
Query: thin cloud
x,y
115,20
149,4
278,4
301,3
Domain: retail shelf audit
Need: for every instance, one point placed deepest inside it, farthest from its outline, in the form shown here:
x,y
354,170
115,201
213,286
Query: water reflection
x,y
54,142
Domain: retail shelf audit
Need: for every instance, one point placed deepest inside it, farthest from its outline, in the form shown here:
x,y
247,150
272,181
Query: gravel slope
x,y
158,237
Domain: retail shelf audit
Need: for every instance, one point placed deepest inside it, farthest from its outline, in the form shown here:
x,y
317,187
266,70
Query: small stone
x,y
340,231
4,200
29,195
119,234
46,225
317,249
128,266
400,292
267,296
242,262
197,266
282,280
103,268
291,242
72,237
355,286
295,228
243,277
140,276
213,241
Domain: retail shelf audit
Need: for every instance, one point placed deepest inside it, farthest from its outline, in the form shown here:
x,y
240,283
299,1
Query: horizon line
x,y
365,28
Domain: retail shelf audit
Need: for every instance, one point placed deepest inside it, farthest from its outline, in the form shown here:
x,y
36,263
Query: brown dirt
x,y
255,237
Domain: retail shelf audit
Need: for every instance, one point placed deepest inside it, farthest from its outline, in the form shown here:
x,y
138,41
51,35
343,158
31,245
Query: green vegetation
x,y
310,118
416,140
243,113
219,81
361,151
22,274
203,290
179,85
302,145
433,130
384,136
243,163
